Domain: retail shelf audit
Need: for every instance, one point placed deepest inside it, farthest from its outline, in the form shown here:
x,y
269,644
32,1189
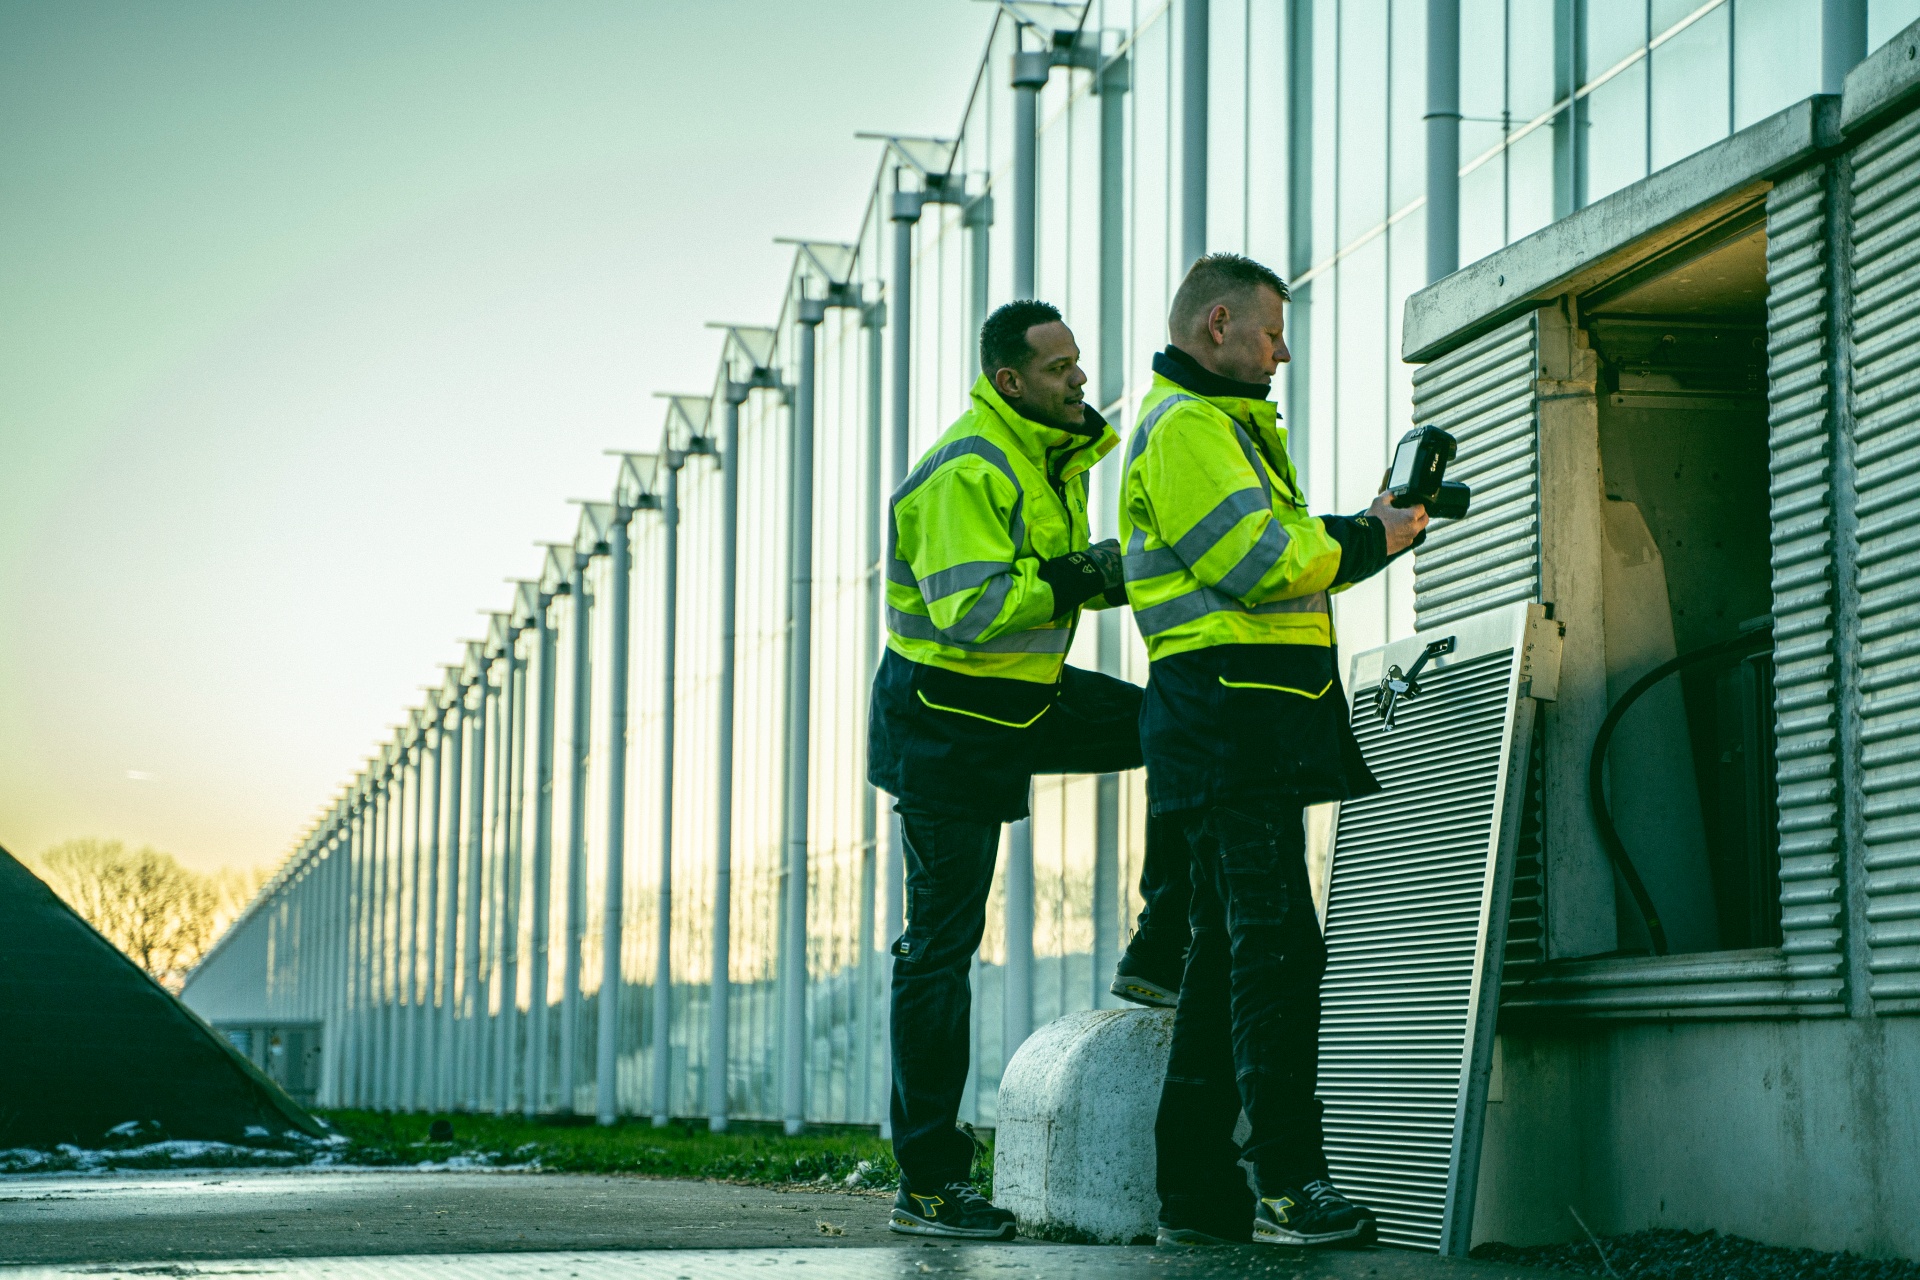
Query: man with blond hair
x,y
1244,724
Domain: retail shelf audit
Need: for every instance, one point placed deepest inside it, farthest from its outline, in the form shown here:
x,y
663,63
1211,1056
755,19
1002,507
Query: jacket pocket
x,y
1296,670
986,700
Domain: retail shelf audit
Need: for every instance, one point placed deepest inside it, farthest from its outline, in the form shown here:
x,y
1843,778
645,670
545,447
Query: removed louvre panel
x,y
1417,897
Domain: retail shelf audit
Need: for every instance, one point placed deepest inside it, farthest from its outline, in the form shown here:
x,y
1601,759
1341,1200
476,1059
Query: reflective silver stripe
x,y
1197,604
1318,602
1253,566
898,570
984,610
961,577
1254,458
1194,544
1138,444
975,446
1141,565
913,626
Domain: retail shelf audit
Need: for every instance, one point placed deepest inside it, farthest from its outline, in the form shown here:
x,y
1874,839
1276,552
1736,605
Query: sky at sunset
x,y
313,316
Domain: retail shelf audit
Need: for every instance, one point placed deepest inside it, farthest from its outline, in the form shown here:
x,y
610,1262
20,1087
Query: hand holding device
x,y
1419,474
1404,524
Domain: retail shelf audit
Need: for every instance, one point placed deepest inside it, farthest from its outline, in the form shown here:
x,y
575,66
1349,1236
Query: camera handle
x,y
1396,687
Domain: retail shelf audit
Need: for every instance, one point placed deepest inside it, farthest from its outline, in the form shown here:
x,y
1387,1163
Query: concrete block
x,y
1073,1150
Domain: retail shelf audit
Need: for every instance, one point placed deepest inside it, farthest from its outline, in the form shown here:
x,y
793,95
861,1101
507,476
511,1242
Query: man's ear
x,y
1007,382
1217,317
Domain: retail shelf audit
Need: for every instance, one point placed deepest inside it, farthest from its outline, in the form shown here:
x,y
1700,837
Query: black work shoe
x,y
1316,1214
1146,984
956,1211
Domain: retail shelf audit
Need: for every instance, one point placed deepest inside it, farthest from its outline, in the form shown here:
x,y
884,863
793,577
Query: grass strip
x,y
751,1152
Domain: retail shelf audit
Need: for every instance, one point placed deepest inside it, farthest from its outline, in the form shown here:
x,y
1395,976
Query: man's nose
x,y
1077,377
1280,353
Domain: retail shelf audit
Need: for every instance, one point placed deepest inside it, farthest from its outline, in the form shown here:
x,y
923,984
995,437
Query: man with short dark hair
x,y
1244,724
989,564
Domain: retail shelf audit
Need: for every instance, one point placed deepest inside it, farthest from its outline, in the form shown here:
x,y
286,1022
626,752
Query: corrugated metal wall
x,y
1483,394
1885,392
1800,442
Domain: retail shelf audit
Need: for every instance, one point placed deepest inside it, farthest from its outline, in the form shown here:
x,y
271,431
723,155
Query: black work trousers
x,y
1247,1031
1159,942
1092,728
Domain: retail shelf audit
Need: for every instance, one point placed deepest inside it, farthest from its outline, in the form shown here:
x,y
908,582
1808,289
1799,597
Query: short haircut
x,y
1217,278
1003,338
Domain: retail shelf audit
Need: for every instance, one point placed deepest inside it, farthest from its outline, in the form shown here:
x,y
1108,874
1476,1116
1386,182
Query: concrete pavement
x,y
305,1225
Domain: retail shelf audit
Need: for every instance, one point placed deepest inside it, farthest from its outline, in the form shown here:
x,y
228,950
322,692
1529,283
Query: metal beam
x,y
752,351
575,920
427,1092
669,652
873,319
1031,71
606,1066
793,966
513,765
547,643
720,1000
447,1092
1843,41
412,778
1443,138
1111,84
1195,23
473,1004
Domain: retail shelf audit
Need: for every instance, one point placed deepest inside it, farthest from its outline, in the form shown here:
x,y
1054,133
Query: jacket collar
x,y
1039,442
1245,402
1254,413
1181,369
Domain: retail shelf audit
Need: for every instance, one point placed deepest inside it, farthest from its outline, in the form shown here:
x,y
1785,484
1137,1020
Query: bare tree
x,y
161,914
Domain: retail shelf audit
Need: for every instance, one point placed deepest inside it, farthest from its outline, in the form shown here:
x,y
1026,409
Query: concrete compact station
x,y
1687,413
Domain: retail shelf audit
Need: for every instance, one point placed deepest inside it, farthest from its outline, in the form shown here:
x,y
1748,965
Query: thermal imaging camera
x,y
1419,474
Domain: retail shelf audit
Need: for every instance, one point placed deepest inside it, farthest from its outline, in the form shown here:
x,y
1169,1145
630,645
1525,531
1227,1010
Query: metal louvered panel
x,y
1417,892
1483,394
1886,407
1800,465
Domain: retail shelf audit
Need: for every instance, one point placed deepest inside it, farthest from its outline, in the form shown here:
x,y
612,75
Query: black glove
x,y
1079,576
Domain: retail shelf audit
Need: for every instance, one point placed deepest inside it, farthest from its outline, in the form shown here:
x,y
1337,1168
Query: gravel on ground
x,y
1667,1254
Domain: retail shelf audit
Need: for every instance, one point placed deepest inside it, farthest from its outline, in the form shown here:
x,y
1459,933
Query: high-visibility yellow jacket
x,y
1219,547
987,571
979,579
1230,579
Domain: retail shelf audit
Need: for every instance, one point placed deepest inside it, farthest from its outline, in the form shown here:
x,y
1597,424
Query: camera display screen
x,y
1404,459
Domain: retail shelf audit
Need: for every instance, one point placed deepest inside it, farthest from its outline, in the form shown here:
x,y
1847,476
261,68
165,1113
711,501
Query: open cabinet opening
x,y
1681,342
